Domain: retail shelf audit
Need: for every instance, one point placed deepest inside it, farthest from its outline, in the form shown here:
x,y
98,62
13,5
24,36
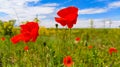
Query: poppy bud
x,y
56,25
44,43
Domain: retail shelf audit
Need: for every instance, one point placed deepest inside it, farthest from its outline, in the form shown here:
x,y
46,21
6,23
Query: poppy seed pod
x,y
44,43
56,25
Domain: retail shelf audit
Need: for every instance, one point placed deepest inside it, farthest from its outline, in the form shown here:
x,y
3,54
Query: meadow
x,y
53,44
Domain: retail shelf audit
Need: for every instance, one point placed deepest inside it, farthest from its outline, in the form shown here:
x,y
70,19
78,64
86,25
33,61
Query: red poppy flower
x,y
26,37
32,29
77,39
112,49
90,47
26,48
3,38
67,16
17,38
29,32
68,61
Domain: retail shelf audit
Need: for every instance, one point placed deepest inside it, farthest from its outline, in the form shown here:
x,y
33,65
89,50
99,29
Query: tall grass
x,y
50,49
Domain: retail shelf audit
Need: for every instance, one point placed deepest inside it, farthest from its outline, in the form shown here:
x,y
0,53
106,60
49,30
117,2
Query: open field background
x,y
53,45
59,33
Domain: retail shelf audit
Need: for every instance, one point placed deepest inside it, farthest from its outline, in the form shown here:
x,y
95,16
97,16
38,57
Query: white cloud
x,y
110,6
47,11
48,23
98,23
85,23
93,10
50,4
18,9
115,4
15,3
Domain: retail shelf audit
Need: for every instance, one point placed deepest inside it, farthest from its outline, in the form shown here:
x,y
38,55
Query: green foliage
x,y
49,51
7,27
36,20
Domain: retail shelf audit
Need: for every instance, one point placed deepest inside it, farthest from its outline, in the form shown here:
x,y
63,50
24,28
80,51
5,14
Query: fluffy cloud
x,y
114,4
110,6
50,4
93,10
18,9
98,23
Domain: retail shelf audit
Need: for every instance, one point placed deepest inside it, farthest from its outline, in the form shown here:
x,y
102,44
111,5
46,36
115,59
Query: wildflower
x,y
32,29
112,49
26,48
3,38
68,61
77,39
17,38
29,32
90,47
67,16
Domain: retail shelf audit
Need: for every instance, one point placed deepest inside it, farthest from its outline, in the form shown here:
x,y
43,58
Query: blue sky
x,y
98,10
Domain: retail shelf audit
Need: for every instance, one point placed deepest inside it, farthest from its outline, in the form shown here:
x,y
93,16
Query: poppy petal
x,y
15,39
66,11
26,37
72,18
61,21
70,25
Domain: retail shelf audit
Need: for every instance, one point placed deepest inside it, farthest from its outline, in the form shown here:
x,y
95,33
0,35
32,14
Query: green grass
x,y
49,51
